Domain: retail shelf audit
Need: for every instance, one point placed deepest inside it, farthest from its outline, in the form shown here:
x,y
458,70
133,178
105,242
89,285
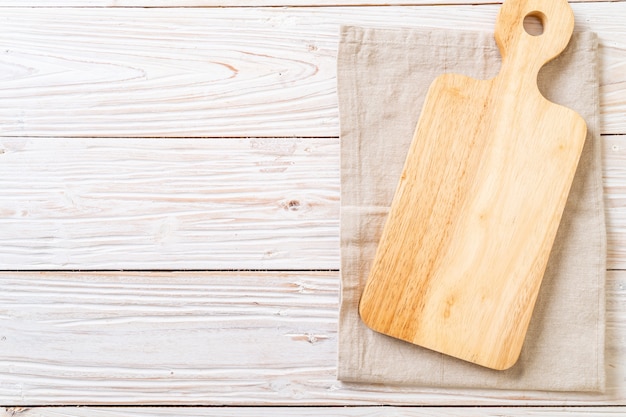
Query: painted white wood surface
x,y
214,338
614,167
169,203
317,411
219,71
194,203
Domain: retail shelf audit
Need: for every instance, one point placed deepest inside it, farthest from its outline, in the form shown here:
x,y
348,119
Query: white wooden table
x,y
169,206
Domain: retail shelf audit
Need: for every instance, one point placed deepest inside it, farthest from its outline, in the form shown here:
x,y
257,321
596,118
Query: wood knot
x,y
293,205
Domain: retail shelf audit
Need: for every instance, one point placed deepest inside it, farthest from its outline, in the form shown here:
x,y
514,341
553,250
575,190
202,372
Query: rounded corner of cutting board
x,y
364,313
367,314
498,360
508,364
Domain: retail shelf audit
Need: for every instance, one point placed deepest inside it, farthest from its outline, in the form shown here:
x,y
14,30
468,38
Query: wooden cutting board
x,y
473,220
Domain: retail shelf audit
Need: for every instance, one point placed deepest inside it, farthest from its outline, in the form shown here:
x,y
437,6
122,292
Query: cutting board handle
x,y
523,52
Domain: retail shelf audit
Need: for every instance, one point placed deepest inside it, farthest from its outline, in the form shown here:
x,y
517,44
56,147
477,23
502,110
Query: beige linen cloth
x,y
383,76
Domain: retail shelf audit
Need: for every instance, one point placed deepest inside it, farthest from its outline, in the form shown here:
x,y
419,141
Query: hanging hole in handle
x,y
534,23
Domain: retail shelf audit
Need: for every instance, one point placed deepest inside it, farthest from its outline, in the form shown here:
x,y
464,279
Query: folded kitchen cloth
x,y
383,76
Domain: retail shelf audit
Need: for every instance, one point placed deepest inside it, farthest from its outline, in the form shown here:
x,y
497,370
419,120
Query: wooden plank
x,y
169,203
315,411
214,338
219,71
194,203
238,3
614,155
